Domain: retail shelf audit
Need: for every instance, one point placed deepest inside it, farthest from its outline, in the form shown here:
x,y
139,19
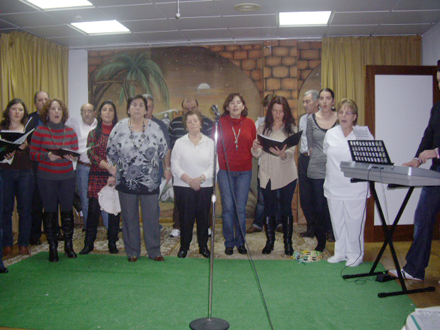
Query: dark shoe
x,y
308,233
229,251
254,230
268,248
205,252
287,234
132,259
159,258
330,237
242,250
3,270
50,220
67,224
53,251
7,250
23,250
270,235
112,248
87,249
35,241
182,253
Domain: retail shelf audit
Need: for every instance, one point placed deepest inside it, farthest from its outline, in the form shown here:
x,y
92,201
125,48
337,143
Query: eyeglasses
x,y
342,113
190,109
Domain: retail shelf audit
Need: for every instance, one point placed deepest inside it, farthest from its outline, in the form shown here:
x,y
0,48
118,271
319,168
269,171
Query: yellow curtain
x,y
29,64
344,60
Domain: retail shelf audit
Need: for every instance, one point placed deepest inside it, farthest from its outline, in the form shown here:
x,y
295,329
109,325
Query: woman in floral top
x,y
100,177
135,148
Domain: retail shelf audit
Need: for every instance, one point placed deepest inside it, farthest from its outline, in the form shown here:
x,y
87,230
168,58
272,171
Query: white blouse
x,y
336,185
194,160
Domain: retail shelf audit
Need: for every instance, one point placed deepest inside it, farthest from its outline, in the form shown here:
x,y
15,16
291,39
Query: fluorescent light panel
x,y
101,27
58,4
301,18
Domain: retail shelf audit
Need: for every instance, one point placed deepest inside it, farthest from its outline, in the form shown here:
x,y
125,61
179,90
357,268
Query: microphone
x,y
214,108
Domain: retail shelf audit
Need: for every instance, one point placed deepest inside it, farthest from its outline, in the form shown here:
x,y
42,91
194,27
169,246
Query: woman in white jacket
x,y
192,166
346,200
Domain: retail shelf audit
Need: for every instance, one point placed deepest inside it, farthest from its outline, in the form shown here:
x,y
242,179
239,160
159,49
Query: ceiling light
x,y
304,18
101,27
247,7
58,4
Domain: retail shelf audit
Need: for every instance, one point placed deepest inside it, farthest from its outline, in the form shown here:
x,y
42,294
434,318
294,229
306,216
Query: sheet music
x,y
426,318
362,132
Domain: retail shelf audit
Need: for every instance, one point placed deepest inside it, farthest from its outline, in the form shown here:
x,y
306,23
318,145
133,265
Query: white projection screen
x,y
397,111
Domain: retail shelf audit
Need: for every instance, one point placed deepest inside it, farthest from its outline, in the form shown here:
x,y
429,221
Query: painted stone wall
x,y
280,67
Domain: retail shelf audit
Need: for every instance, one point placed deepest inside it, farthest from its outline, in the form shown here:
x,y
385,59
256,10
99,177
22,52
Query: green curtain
x,y
344,60
30,64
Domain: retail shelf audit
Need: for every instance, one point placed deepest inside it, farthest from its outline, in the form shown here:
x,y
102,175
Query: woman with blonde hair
x,y
346,200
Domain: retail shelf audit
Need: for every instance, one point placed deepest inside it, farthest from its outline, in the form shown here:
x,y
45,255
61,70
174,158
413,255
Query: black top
x,y
431,137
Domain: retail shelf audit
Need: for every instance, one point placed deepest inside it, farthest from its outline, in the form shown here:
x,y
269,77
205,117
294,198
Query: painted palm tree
x,y
135,73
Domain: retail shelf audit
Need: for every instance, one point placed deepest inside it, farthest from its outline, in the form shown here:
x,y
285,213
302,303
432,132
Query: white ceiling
x,y
153,22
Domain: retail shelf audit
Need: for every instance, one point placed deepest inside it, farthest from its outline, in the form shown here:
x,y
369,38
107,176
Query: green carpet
x,y
107,292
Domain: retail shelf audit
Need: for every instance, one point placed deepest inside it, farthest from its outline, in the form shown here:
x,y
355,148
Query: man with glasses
x,y
82,129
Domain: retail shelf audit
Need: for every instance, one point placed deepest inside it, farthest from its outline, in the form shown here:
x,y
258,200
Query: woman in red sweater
x,y
236,135
55,175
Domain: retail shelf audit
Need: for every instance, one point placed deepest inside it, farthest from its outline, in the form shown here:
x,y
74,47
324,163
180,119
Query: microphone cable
x,y
249,255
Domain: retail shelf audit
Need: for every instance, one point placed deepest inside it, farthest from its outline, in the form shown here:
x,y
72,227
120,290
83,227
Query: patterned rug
x,y
170,246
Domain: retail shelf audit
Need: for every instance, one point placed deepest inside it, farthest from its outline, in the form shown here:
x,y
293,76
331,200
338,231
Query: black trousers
x,y
193,205
305,190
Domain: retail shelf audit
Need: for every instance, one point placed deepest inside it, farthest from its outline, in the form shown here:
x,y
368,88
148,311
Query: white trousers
x,y
348,222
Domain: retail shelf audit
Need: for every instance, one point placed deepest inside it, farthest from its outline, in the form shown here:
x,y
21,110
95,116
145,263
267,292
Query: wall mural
x,y
170,74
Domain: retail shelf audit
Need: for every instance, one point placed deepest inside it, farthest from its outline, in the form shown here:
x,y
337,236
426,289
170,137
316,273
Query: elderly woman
x,y
192,165
237,133
317,126
55,175
135,148
346,200
277,172
99,177
18,180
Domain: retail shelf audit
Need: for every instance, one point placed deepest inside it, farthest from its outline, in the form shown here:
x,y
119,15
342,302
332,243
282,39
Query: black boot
x,y
89,240
270,235
49,223
112,233
287,231
67,224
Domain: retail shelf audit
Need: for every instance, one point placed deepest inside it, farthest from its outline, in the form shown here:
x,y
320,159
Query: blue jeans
x,y
238,188
20,184
425,217
82,185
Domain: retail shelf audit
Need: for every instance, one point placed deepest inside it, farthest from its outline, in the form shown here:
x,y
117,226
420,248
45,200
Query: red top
x,y
239,156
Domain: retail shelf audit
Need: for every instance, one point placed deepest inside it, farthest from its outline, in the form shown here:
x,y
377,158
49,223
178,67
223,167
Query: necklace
x,y
196,139
236,135
143,136
64,137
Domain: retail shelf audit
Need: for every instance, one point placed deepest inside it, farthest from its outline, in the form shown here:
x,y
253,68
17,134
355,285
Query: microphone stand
x,y
212,323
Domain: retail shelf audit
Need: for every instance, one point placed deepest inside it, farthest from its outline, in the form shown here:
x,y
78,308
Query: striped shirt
x,y
49,137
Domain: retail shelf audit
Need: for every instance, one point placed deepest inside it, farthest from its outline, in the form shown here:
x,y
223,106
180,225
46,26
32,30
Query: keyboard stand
x,y
388,234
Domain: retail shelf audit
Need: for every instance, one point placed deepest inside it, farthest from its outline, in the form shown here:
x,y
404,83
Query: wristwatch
x,y
201,178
